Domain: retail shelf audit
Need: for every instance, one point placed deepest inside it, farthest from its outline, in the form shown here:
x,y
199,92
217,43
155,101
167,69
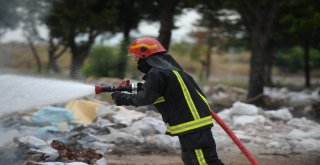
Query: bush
x,y
185,49
293,60
102,62
181,49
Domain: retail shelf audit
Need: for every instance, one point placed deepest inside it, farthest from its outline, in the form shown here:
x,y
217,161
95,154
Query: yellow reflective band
x,y
204,99
200,157
187,96
144,45
190,125
159,100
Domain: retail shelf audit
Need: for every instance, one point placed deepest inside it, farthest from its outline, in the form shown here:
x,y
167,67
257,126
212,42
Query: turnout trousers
x,y
199,148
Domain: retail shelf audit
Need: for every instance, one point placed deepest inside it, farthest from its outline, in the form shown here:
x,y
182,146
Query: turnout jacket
x,y
178,98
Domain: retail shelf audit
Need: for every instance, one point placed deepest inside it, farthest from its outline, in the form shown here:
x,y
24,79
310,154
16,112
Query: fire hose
x,y
126,86
234,138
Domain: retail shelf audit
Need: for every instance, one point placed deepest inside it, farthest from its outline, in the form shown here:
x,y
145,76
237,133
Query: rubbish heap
x,y
86,131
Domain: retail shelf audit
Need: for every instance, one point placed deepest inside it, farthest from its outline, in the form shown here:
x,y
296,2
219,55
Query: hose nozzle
x,y
100,88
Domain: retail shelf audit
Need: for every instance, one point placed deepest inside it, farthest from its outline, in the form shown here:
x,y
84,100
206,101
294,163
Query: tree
x,y
279,40
55,50
77,23
130,12
258,17
302,19
168,9
164,12
56,47
30,18
30,33
217,26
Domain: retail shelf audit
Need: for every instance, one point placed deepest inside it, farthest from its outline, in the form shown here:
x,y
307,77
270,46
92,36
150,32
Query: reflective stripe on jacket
x,y
182,105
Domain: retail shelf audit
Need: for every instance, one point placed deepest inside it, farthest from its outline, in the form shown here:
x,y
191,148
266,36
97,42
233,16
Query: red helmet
x,y
145,47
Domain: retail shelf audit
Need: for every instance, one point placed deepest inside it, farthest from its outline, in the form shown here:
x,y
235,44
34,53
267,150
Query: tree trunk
x,y
52,64
259,18
35,54
268,75
80,51
53,55
166,22
77,62
122,62
306,66
256,80
269,57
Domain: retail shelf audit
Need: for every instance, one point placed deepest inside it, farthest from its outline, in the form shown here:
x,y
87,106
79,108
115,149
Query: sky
x,y
184,23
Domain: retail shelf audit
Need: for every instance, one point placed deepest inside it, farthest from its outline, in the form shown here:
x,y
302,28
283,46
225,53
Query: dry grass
x,y
19,55
227,68
233,69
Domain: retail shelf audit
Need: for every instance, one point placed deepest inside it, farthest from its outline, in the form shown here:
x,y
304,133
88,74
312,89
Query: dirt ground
x,y
227,158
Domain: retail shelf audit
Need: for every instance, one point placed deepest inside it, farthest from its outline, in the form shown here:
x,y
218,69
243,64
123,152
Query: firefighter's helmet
x,y
145,47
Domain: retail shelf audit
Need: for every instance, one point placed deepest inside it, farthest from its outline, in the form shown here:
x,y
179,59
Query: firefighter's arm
x,y
151,90
148,93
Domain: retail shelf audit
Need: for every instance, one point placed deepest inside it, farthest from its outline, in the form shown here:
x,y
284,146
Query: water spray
x,y
20,93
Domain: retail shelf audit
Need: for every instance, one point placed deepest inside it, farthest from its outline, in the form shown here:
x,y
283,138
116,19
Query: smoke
x,y
10,134
10,155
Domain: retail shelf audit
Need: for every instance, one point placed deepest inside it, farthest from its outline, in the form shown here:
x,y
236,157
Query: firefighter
x,y
181,102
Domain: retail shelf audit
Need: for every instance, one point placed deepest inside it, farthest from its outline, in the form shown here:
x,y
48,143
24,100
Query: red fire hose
x,y
234,138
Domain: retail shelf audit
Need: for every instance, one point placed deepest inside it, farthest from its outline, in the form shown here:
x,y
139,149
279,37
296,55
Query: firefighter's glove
x,y
122,98
139,86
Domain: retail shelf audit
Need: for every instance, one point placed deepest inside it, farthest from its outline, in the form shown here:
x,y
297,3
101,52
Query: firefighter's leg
x,y
201,147
185,155
208,155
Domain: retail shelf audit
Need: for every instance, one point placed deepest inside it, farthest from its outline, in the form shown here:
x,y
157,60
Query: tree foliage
x,y
9,15
77,23
130,14
77,18
304,27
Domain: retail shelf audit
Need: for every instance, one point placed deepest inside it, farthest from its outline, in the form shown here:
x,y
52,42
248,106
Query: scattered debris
x,y
84,111
70,154
44,136
35,149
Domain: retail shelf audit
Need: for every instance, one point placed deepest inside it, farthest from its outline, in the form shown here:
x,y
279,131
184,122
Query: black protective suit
x,y
182,105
